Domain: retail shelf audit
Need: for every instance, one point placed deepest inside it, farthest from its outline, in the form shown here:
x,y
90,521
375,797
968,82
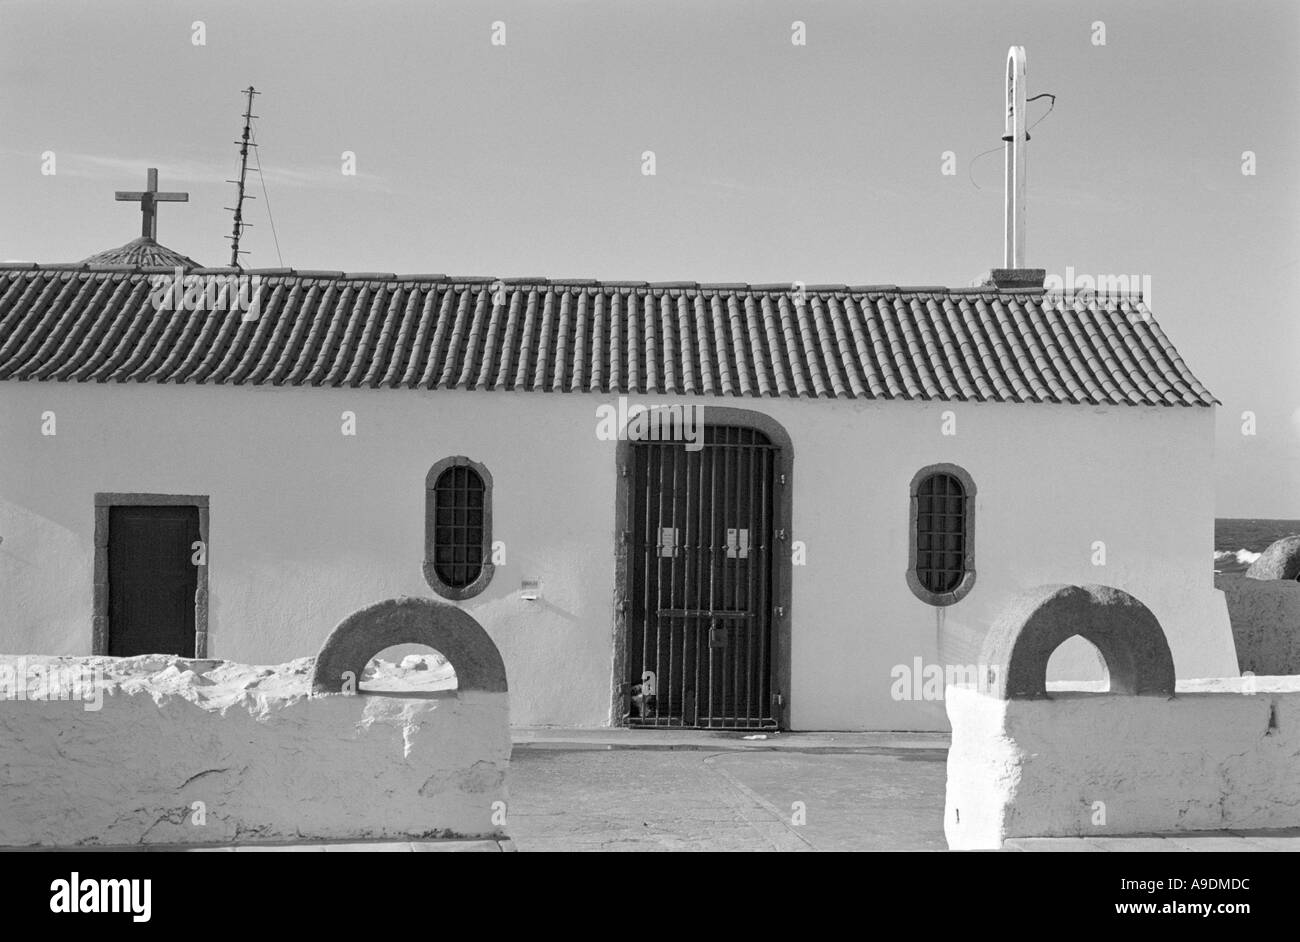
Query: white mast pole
x,y
1014,189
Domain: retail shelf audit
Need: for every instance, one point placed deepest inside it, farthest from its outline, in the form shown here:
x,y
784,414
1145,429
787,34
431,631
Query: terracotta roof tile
x,y
87,323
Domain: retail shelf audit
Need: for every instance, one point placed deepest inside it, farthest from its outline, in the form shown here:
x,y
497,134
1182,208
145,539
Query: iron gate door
x,y
698,645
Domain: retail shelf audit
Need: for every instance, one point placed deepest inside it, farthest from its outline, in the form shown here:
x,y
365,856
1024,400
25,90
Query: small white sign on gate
x,y
738,543
668,541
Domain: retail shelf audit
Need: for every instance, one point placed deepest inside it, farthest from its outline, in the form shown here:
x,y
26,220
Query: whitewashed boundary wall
x,y
1145,757
164,750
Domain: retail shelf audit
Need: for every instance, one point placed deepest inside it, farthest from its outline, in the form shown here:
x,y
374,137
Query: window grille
x,y
942,566
458,528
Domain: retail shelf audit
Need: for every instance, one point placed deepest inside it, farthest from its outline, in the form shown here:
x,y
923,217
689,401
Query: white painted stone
x,y
269,761
415,672
1216,756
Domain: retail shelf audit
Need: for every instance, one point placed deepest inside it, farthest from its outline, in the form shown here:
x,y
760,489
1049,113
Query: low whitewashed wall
x,y
161,750
1220,754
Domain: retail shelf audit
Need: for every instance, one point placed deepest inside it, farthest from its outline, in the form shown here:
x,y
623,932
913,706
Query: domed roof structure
x,y
146,252
143,252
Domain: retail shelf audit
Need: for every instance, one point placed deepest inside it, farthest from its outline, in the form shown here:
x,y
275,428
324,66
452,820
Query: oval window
x,y
942,566
458,528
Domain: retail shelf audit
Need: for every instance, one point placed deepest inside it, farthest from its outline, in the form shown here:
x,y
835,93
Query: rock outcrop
x,y
1280,561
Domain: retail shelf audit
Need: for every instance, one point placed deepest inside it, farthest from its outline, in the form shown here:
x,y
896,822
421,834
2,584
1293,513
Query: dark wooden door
x,y
151,580
698,646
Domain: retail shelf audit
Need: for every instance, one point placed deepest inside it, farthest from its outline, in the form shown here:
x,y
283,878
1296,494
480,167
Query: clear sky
x,y
774,161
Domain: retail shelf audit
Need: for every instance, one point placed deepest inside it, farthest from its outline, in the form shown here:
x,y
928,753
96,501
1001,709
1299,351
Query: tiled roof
x,y
143,252
438,332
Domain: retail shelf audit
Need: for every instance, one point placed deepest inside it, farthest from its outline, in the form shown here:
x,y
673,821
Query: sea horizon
x,y
1238,541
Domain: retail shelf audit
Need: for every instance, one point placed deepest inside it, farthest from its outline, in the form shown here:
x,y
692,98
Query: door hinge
x,y
778,699
780,611
780,535
780,479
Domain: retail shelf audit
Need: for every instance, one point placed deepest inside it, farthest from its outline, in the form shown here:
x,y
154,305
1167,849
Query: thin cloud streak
x,y
184,171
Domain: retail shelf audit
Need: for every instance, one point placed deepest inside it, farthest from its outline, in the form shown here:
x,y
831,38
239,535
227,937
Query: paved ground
x,y
619,789
642,790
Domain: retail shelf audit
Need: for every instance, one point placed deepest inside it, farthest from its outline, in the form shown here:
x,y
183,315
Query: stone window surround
x,y
941,599
457,593
103,502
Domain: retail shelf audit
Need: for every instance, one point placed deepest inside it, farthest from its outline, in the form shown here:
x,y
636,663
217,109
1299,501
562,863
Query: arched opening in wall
x,y
408,670
1076,664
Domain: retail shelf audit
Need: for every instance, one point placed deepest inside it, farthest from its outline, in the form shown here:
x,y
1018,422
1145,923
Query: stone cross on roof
x,y
147,200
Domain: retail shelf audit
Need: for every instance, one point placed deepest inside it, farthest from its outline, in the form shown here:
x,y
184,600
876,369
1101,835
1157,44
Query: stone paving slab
x,y
1274,839
695,739
1235,841
1057,844
449,846
1135,844
1189,842
372,847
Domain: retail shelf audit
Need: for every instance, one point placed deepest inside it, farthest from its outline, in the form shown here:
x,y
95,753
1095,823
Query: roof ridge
x,y
788,287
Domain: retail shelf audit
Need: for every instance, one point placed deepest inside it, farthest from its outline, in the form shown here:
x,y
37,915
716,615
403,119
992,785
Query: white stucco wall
x,y
163,750
308,525
1222,754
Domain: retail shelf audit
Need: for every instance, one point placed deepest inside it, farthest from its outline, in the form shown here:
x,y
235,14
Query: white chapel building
x,y
857,480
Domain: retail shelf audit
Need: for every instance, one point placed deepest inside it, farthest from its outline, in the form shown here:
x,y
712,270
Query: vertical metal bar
x,y
740,630
696,621
731,576
720,574
629,538
661,450
766,538
713,540
688,582
753,620
645,582
633,538
742,624
670,687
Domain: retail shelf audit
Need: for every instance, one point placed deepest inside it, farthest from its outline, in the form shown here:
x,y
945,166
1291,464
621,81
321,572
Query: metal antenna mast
x,y
238,208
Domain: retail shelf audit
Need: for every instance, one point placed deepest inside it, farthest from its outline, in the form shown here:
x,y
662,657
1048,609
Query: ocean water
x,y
1238,541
